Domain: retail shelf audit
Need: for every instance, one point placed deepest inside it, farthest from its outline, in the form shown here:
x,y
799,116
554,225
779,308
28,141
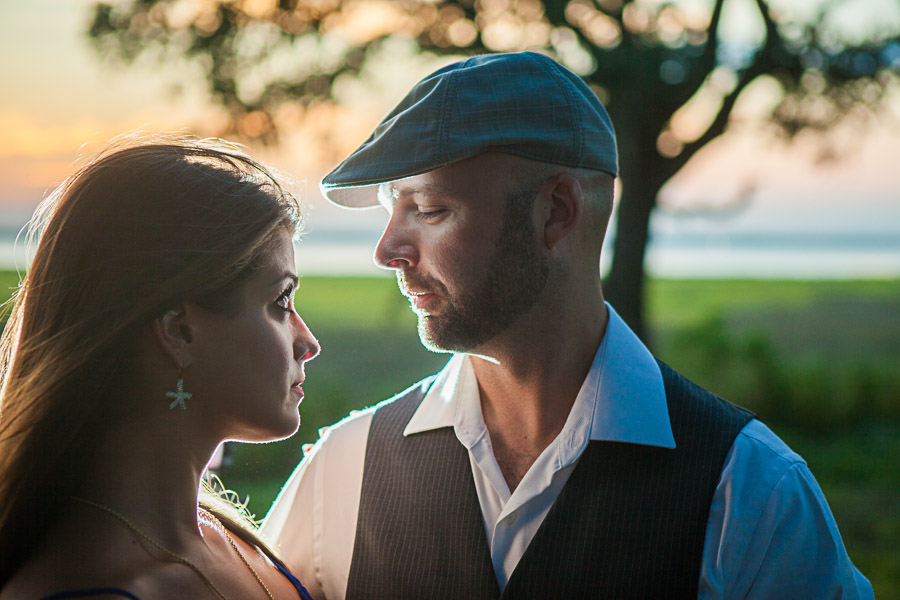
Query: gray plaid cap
x,y
520,103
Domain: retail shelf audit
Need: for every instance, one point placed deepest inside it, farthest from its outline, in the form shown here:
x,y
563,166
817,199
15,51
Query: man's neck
x,y
527,391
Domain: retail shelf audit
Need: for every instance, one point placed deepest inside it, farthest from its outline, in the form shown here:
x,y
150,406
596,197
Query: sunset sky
x,y
60,101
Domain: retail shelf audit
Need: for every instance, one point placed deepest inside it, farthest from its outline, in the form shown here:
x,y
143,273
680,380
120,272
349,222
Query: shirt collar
x,y
444,398
623,396
630,395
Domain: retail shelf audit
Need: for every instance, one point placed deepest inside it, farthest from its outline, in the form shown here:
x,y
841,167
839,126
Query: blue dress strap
x,y
304,595
109,591
106,591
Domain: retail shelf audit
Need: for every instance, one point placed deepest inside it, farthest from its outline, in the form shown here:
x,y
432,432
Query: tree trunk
x,y
624,286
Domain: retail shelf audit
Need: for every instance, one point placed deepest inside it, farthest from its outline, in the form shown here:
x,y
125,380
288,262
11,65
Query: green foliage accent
x,y
9,283
354,304
819,362
814,355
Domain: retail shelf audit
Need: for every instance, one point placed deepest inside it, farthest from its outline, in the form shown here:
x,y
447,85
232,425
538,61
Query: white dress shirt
x,y
770,532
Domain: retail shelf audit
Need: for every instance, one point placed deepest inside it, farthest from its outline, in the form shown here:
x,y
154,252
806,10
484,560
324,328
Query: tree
x,y
648,60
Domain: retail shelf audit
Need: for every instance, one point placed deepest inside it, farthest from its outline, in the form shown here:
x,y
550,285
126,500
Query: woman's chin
x,y
270,432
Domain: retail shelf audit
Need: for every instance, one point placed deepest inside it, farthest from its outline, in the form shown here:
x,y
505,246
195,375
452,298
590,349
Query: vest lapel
x,y
437,546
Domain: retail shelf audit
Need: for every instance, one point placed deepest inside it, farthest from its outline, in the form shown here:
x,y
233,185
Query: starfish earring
x,y
179,394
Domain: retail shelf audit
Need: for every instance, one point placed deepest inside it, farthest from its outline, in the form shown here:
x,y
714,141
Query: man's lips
x,y
420,300
297,388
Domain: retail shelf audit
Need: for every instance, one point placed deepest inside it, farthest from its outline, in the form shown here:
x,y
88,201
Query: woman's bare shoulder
x,y
142,579
65,562
69,567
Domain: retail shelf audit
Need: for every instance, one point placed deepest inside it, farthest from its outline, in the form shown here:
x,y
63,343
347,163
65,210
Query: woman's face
x,y
247,367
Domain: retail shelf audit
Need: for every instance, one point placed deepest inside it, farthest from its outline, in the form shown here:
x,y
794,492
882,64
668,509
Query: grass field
x,y
818,361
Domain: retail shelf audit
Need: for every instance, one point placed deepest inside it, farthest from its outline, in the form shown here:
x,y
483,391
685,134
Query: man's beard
x,y
516,276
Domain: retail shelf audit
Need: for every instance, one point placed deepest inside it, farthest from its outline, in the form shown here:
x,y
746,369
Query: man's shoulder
x,y
760,466
689,403
758,445
769,518
755,441
677,383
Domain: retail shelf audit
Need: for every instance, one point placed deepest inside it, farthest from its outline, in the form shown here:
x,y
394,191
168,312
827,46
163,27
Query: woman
x,y
156,320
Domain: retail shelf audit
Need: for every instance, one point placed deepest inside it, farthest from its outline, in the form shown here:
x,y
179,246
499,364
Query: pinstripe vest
x,y
629,523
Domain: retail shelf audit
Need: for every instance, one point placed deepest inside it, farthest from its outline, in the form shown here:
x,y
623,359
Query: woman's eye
x,y
286,300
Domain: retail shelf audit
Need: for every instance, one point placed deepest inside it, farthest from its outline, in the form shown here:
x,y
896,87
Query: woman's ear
x,y
174,332
563,208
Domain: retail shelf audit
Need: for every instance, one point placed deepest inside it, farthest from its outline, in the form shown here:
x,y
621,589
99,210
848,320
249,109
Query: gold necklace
x,y
178,557
239,553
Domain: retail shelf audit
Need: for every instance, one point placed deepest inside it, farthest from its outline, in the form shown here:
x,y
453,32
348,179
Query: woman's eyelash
x,y
286,298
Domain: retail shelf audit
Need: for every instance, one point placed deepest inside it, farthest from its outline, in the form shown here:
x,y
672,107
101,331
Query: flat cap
x,y
521,103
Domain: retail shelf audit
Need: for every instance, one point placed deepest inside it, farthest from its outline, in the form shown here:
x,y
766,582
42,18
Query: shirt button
x,y
510,519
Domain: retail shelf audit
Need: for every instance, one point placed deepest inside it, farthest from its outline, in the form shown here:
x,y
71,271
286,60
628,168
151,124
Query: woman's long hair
x,y
150,222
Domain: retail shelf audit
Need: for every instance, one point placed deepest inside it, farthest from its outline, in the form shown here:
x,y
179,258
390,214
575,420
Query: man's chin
x,y
432,336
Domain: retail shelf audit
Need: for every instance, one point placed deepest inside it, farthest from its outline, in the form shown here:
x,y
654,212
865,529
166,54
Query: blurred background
x,y
756,241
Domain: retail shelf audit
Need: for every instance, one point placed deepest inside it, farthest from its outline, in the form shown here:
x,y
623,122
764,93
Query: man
x,y
553,457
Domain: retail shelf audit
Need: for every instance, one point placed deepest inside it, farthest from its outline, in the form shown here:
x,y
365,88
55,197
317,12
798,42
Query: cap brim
x,y
361,196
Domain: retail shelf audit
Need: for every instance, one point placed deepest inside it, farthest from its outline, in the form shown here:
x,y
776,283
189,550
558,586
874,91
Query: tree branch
x,y
763,62
773,38
717,127
707,60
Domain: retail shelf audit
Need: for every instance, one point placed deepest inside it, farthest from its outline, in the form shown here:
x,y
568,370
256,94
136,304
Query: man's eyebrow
x,y
429,188
389,193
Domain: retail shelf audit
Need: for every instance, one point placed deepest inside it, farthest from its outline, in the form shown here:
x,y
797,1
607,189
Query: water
x,y
766,240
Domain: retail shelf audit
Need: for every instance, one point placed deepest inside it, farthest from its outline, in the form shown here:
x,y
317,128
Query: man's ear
x,y
175,333
563,207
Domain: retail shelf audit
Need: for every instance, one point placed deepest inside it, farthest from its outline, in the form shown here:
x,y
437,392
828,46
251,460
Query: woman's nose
x,y
306,346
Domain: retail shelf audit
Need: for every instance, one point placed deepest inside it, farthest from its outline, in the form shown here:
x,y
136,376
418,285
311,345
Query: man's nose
x,y
397,248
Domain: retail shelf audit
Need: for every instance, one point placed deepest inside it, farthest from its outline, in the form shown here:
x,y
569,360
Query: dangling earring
x,y
179,394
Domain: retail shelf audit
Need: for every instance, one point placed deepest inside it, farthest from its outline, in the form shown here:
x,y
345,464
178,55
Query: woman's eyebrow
x,y
283,276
